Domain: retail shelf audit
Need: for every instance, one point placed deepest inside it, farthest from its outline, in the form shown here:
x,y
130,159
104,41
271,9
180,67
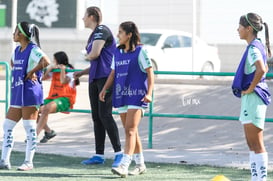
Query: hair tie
x,y
31,28
250,23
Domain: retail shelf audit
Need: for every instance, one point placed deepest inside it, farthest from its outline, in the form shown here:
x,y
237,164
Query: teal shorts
x,y
63,103
124,109
253,110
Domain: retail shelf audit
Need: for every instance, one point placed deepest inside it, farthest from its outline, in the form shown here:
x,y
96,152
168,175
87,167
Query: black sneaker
x,y
48,136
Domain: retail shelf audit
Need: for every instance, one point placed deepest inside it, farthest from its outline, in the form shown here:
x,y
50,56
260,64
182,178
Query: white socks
x,y
258,166
261,163
139,158
253,166
126,160
30,128
7,140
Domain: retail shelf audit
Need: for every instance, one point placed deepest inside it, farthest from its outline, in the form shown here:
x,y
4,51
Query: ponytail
x,y
34,31
62,58
267,43
30,31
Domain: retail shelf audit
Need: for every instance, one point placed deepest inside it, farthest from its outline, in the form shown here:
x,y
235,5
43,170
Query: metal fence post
x,y
7,96
151,107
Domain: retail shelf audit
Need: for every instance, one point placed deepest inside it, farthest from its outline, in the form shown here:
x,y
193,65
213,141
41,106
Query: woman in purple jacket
x,y
27,63
100,47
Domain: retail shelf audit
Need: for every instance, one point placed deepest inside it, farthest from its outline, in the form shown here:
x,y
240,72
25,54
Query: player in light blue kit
x,y
132,77
249,84
27,63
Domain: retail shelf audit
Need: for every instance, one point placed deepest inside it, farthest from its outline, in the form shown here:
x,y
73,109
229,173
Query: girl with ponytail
x,y
62,93
27,62
132,78
249,84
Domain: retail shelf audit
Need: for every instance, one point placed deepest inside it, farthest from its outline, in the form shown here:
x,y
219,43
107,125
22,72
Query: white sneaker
x,y
121,170
25,166
5,165
139,169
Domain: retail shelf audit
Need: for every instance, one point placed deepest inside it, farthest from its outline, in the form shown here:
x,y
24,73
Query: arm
x,y
95,53
107,85
96,49
11,60
63,78
261,69
81,73
47,72
150,75
44,62
11,63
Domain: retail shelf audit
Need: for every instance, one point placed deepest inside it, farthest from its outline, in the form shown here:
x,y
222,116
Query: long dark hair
x,y
30,31
256,22
130,27
62,58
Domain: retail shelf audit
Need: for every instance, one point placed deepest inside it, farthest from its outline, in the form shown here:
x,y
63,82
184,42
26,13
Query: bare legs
x,y
29,115
130,121
43,118
258,156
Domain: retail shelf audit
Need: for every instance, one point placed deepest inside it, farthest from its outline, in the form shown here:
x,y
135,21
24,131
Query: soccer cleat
x,y
93,161
139,169
26,166
4,165
117,160
121,170
48,136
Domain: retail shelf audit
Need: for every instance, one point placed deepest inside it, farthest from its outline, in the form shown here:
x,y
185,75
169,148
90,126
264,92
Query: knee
x,y
45,110
8,125
130,131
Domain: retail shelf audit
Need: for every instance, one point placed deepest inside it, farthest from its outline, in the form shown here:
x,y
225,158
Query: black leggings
x,y
102,117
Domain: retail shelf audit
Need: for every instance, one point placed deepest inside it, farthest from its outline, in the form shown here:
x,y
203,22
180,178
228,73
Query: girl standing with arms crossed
x,y
133,80
249,84
27,63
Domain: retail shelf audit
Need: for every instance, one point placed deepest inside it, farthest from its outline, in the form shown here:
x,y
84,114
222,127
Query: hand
x,y
248,91
77,75
147,99
86,58
61,66
31,76
102,95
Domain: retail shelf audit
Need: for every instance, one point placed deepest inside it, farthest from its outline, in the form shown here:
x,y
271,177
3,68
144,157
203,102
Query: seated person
x,y
62,93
